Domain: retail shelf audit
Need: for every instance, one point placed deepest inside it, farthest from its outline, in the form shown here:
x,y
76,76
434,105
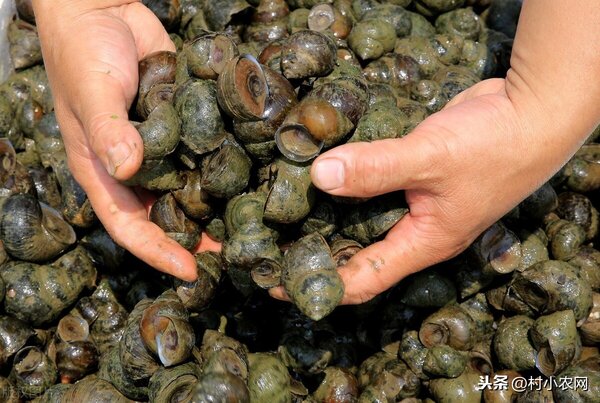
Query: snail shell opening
x,y
267,273
321,17
296,143
242,89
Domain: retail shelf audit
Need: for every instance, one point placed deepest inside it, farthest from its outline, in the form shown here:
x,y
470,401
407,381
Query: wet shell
x,y
307,54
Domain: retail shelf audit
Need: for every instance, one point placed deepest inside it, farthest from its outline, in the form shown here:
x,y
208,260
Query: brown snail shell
x,y
507,395
37,294
349,95
450,325
155,69
193,200
269,22
394,383
552,286
322,219
298,20
166,331
111,370
463,388
339,386
219,14
498,250
221,388
170,218
223,354
196,295
511,343
326,17
9,391
565,237
311,125
242,89
207,54
307,54
371,367
556,340
32,372
314,284
75,359
92,388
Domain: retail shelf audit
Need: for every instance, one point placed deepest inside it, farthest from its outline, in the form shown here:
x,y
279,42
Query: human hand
x,y
462,169
91,52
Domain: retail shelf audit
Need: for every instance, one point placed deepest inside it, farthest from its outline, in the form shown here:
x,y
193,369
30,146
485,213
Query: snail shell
x,y
413,353
219,14
269,22
75,359
371,39
430,8
393,14
394,382
196,295
565,237
462,22
590,328
338,386
92,388
552,286
155,69
326,17
32,231
25,49
498,250
174,384
269,380
556,340
298,20
242,89
450,325
444,361
166,331
157,175
314,284
307,54
322,219
111,370
226,387
207,54
32,372
160,131
383,120
463,388
170,218
429,94
578,208
428,289
511,343
226,172
193,200
37,294
9,391
167,11
13,336
478,58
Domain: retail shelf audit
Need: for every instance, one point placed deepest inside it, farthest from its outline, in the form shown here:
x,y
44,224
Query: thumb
x,y
110,134
371,169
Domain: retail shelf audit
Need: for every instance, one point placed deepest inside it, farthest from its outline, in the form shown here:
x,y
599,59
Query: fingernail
x,y
117,155
329,174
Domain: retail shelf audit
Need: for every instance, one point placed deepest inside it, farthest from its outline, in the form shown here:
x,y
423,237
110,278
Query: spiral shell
x,y
307,54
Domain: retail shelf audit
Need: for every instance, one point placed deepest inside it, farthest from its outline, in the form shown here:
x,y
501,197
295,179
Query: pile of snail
x,y
231,123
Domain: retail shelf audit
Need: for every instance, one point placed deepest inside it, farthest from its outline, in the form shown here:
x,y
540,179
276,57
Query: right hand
x,y
91,52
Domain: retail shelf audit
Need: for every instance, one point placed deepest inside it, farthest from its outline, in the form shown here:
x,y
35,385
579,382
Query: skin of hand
x,y
91,51
466,166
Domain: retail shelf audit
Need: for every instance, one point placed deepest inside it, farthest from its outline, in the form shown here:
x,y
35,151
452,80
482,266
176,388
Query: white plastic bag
x,y
7,11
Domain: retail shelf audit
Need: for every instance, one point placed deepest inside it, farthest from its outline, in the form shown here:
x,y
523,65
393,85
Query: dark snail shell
x,y
242,209
512,345
110,319
32,372
157,175
160,132
383,120
207,54
75,359
167,11
136,360
578,208
215,229
9,391
413,353
25,10
556,340
196,295
314,284
586,369
429,94
552,286
76,207
170,218
307,54
371,367
298,20
322,219
428,289
155,69
37,294
463,388
394,383
242,89
223,354
226,172
192,199
326,17
250,245
103,250
430,8
219,14
444,361
497,250
454,80
174,384
202,127
539,203
269,380
291,194
46,186
450,325
587,262
565,237
32,231
111,370
349,95
166,331
13,336
226,387
267,273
